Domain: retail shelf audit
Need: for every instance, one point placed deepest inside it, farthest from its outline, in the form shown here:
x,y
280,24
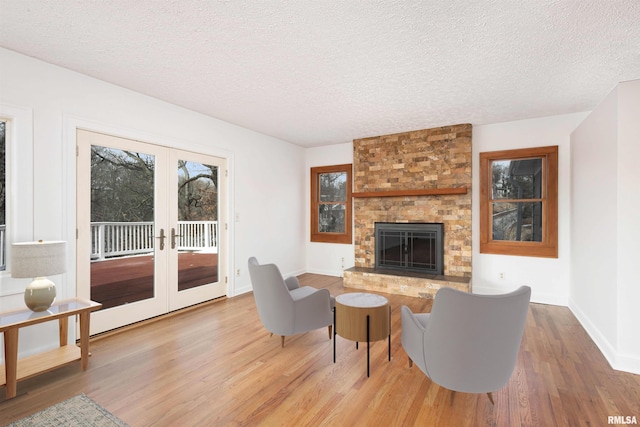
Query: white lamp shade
x,y
38,259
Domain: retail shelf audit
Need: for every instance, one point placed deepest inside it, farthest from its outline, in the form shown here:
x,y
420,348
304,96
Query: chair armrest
x,y
413,336
292,283
313,311
417,321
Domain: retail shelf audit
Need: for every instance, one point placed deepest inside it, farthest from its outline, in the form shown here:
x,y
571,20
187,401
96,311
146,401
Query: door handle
x,y
161,237
173,238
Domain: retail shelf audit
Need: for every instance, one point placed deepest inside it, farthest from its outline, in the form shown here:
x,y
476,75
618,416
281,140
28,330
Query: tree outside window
x,y
331,204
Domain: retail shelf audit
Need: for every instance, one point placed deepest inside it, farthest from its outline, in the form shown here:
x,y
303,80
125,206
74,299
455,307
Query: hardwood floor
x,y
217,366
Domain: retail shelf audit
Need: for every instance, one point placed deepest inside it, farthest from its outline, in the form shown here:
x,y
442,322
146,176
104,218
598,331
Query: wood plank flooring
x,y
217,366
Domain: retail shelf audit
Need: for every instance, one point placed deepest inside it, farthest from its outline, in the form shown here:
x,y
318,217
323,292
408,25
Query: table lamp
x,y
39,259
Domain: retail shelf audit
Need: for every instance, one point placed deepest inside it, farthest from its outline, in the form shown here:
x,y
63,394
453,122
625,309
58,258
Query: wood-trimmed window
x,y
331,204
519,202
3,195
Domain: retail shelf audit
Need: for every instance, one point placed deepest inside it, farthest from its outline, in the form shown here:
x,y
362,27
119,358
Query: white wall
x,y
267,192
326,258
548,277
593,221
628,354
605,149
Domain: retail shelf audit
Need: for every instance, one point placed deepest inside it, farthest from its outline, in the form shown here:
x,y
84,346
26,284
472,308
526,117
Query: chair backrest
x,y
273,300
471,341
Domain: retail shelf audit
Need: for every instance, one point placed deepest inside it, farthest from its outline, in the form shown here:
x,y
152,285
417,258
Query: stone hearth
x,y
434,161
411,284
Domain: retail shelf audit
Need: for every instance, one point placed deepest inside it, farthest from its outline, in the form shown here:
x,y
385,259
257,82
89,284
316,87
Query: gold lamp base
x,y
40,294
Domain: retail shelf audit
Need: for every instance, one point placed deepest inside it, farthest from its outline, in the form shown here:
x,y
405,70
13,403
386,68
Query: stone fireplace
x,y
413,177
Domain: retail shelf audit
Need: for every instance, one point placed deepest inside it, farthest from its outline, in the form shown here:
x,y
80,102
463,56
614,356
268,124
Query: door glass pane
x,y
122,226
391,248
520,221
197,231
421,251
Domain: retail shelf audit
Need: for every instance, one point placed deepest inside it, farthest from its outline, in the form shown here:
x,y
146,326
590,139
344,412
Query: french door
x,y
151,228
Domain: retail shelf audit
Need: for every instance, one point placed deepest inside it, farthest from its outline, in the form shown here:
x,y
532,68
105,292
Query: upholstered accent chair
x,y
469,342
285,308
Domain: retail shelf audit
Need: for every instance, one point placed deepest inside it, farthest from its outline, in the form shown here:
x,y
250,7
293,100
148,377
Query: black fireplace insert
x,y
410,247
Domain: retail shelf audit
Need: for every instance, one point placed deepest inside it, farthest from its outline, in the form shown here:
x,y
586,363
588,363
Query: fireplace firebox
x,y
410,247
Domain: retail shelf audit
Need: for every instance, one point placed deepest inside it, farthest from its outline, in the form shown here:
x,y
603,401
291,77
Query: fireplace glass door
x,y
410,247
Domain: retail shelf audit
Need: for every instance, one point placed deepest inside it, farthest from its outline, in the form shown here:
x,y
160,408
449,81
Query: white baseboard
x,y
242,290
538,298
617,361
627,364
293,273
334,273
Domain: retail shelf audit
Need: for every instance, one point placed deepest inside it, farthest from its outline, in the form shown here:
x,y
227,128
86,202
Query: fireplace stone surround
x,y
419,176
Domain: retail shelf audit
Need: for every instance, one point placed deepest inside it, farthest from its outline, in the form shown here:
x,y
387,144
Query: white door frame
x,y
70,125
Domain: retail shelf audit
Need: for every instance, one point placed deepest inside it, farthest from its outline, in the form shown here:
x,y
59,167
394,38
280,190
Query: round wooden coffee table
x,y
361,317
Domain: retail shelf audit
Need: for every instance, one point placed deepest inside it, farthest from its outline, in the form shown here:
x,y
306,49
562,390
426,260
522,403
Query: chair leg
x,y
410,362
453,394
490,397
282,341
330,330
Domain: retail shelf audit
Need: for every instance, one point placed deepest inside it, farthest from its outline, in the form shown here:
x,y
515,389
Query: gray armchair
x,y
469,342
284,307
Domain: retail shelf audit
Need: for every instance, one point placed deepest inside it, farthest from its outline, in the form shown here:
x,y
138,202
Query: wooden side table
x,y
362,317
11,322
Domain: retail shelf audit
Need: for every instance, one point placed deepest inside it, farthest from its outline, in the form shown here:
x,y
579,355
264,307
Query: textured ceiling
x,y
325,72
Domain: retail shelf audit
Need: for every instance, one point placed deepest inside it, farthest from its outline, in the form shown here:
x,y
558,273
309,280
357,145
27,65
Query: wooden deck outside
x,y
124,280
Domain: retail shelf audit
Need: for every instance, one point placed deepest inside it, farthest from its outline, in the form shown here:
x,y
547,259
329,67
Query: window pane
x,y
333,187
197,243
197,191
520,221
122,226
516,179
3,195
331,218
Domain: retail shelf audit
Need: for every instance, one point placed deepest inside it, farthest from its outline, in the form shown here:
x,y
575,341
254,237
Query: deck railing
x,y
116,239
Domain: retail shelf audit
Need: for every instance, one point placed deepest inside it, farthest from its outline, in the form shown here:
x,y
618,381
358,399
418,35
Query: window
x,y
519,202
3,197
16,189
331,204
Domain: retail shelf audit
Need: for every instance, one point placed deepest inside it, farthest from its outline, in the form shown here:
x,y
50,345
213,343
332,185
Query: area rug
x,y
78,411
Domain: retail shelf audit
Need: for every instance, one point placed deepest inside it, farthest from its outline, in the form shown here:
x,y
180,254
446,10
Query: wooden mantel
x,y
404,193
